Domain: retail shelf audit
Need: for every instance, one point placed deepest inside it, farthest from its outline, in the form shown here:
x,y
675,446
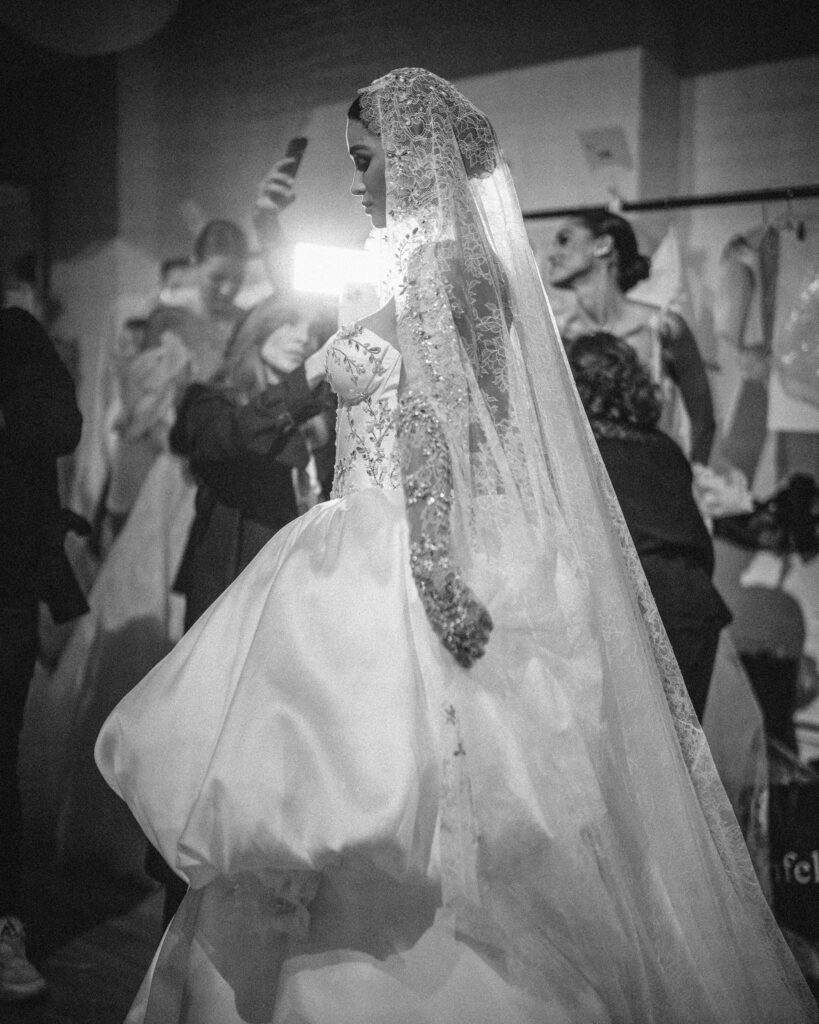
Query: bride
x,y
430,757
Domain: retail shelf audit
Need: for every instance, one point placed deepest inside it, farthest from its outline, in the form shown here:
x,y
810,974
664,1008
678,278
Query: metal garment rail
x,y
764,195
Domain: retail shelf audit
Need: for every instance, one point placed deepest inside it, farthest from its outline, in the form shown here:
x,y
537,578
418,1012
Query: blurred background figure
x,y
183,339
134,618
595,256
20,288
177,282
39,422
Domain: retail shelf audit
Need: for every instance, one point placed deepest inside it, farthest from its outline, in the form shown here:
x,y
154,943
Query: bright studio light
x,y
329,270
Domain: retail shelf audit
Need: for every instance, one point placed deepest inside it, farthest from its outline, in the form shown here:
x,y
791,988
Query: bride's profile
x,y
430,758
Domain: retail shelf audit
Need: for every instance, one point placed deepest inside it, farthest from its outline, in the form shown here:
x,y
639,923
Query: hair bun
x,y
638,270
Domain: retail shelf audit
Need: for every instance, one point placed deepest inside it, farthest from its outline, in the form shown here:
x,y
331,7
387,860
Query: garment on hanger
x,y
794,390
761,281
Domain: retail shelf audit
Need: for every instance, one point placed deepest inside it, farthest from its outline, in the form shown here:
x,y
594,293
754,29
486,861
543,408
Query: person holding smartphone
x,y
275,194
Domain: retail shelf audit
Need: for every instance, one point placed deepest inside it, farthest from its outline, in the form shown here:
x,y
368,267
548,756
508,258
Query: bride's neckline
x,y
382,323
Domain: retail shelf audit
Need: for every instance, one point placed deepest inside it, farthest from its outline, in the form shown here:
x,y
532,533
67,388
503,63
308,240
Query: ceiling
x,y
300,46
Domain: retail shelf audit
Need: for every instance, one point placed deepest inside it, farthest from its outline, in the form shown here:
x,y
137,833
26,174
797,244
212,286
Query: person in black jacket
x,y
251,461
39,421
653,482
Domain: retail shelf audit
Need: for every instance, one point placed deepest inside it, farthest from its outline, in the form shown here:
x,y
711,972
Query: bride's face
x,y
368,181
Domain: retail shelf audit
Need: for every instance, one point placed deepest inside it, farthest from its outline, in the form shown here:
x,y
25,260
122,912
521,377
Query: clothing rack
x,y
764,195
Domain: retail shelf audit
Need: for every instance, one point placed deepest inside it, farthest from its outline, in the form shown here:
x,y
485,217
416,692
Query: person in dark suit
x,y
653,482
39,421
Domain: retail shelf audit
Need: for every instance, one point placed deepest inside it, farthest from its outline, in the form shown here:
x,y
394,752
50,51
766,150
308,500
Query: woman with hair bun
x,y
595,255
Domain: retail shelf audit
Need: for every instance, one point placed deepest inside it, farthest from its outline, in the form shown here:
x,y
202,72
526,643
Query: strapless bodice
x,y
363,369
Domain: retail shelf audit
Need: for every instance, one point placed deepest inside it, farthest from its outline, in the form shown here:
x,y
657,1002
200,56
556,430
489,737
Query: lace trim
x,y
456,617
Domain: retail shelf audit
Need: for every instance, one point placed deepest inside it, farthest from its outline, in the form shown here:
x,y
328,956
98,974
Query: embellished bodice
x,y
363,369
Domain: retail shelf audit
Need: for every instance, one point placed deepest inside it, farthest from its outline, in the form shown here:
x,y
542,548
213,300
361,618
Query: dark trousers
x,y
695,648
18,653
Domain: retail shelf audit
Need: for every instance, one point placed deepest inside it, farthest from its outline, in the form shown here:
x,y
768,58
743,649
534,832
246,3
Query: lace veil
x,y
531,522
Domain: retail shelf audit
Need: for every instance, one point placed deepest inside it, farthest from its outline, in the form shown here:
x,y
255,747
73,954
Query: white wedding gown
x,y
296,758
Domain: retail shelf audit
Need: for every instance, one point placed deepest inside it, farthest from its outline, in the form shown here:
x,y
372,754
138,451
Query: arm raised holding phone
x,y
275,193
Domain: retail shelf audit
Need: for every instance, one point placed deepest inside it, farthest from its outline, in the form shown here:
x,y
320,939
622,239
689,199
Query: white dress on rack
x,y
296,758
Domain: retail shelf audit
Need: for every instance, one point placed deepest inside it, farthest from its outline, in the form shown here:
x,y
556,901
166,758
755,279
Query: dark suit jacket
x,y
40,422
653,482
242,456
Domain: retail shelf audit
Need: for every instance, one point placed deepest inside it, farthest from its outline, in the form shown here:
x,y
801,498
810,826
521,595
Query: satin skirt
x,y
372,833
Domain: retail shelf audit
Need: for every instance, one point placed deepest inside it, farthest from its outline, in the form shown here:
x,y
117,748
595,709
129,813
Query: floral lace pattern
x,y
452,610
363,370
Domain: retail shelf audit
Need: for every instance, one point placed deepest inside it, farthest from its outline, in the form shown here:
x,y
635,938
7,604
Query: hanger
x,y
615,203
788,222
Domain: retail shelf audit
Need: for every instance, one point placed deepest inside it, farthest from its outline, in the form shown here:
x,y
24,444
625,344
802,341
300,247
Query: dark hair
x,y
471,133
631,266
614,386
25,268
220,238
174,263
354,110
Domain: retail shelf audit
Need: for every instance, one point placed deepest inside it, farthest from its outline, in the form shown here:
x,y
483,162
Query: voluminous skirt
x,y
372,833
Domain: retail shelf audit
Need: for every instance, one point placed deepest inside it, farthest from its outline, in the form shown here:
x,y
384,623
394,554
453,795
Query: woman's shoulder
x,y
647,314
638,312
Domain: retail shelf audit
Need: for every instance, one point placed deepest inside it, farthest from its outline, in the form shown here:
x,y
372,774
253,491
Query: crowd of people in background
x,y
210,442
216,438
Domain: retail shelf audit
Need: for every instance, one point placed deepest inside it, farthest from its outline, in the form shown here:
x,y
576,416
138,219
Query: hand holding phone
x,y
276,190
294,152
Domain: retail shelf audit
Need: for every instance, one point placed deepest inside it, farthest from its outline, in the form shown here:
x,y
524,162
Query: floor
x,y
91,937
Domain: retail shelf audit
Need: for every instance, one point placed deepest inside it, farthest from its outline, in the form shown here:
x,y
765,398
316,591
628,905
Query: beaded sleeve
x,y
454,613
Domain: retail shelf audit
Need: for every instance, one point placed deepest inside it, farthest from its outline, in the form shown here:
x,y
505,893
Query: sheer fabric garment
x,y
134,619
373,832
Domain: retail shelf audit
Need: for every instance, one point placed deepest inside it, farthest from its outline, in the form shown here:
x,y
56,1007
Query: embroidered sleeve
x,y
454,613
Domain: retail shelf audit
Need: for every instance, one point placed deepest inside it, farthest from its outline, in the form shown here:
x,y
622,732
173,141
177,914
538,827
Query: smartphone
x,y
294,153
